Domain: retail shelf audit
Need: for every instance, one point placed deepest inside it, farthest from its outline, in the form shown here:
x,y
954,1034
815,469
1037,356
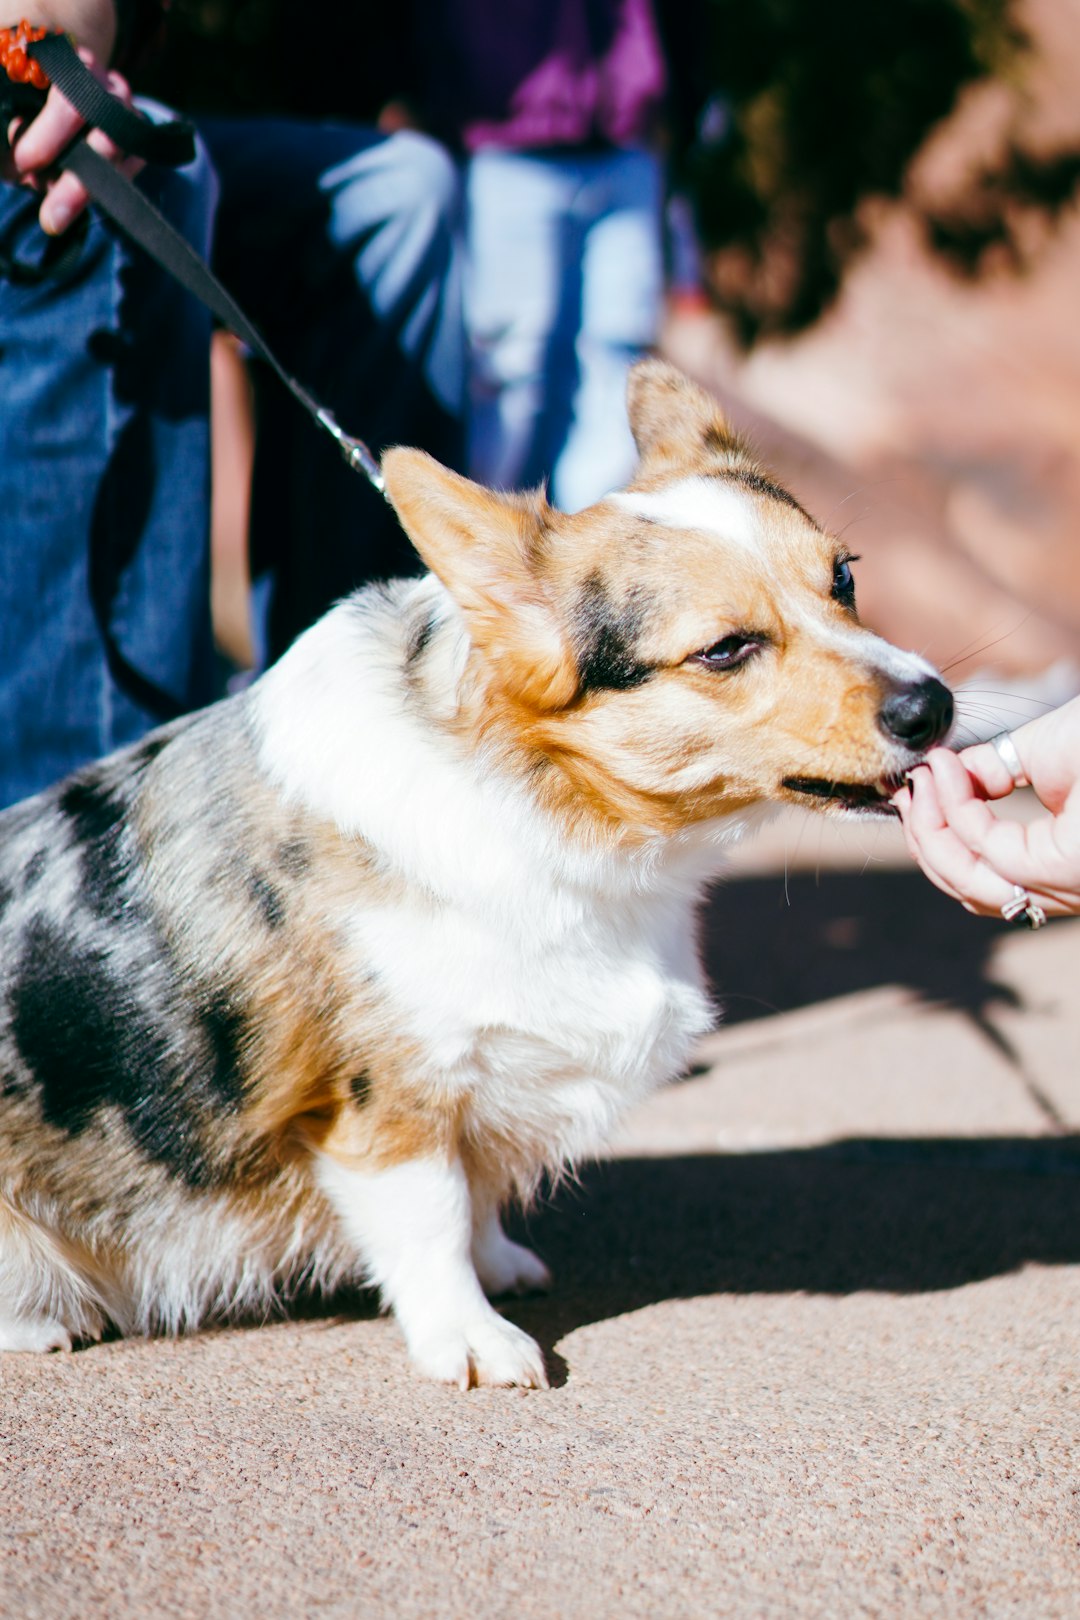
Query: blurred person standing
x,y
343,241
556,107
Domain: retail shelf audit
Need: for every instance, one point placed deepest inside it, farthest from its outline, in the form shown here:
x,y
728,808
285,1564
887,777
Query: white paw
x,y
486,1352
33,1333
509,1268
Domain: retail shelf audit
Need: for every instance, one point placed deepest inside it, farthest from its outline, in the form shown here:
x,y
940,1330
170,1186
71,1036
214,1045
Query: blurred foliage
x,y
817,108
788,117
1003,216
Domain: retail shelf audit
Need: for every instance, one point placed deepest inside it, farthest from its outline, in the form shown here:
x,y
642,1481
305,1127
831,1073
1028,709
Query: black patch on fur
x,y
97,818
360,1088
34,867
149,749
88,1044
294,857
764,486
420,638
268,899
604,638
225,1027
760,485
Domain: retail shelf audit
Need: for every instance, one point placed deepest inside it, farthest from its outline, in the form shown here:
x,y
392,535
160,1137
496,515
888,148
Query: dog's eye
x,y
843,581
729,653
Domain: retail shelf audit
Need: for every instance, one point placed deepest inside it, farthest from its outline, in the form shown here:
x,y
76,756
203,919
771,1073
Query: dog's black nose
x,y
918,715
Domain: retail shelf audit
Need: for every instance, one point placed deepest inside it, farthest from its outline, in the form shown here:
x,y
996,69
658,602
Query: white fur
x,y
718,507
710,504
860,646
197,1255
414,1226
505,1267
554,982
34,1333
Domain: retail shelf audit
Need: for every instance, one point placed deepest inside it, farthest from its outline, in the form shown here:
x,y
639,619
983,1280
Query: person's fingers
x,y
988,770
47,137
946,857
924,826
1049,752
41,141
967,852
903,801
1027,854
64,202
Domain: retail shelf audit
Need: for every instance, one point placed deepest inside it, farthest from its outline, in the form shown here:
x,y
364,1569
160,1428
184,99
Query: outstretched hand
x,y
35,147
978,857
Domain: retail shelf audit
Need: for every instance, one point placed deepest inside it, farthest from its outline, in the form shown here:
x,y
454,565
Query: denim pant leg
x,y
622,286
342,244
563,293
521,312
104,453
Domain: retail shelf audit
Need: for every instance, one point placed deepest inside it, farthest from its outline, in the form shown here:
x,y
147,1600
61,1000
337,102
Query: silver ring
x,y
1022,908
1005,749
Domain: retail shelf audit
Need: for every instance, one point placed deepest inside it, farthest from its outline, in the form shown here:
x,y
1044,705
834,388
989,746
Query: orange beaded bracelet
x,y
20,68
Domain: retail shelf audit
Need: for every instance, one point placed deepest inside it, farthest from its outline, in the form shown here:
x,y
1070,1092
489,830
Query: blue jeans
x,y
342,242
563,293
104,458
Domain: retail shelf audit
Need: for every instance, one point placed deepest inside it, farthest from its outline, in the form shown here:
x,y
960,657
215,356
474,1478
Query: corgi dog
x,y
303,989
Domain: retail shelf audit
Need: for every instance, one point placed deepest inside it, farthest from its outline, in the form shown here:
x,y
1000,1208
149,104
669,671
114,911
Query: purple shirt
x,y
538,73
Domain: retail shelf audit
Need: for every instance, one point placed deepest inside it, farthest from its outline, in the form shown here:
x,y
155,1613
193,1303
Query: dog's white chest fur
x,y
576,1017
556,985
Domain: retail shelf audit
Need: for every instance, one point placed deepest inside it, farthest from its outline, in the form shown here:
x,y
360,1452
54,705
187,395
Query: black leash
x,y
172,144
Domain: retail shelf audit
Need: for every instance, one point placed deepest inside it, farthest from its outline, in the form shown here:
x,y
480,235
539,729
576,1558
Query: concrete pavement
x,y
814,1334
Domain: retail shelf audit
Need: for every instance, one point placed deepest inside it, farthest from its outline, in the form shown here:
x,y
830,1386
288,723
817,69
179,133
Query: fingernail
x,y
56,218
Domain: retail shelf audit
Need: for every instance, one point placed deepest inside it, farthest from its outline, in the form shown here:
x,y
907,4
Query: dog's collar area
x,y
852,795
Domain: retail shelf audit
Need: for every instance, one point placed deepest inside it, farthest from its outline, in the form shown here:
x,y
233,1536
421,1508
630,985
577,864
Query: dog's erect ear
x,y
487,550
673,420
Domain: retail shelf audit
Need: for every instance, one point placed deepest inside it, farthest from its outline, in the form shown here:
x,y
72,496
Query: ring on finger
x,y
1005,748
1021,908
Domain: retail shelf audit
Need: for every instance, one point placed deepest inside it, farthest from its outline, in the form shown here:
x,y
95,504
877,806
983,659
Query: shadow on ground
x,y
896,1215
901,1216
772,944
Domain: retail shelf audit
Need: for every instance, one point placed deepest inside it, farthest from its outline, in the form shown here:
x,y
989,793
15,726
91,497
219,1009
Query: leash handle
x,y
172,143
33,58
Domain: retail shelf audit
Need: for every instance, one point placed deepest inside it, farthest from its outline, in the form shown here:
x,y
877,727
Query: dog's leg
x,y
43,1303
413,1226
503,1266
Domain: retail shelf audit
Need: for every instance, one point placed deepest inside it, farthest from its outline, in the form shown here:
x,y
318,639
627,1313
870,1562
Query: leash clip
x,y
355,451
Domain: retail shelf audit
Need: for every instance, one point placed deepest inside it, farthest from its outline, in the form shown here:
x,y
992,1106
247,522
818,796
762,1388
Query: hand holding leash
x,y
38,140
1025,873
84,125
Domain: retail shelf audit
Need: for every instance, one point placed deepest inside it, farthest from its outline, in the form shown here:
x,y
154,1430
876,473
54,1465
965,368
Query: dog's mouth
x,y
865,798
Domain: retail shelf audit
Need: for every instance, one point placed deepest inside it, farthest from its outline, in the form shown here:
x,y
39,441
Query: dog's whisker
x,y
965,657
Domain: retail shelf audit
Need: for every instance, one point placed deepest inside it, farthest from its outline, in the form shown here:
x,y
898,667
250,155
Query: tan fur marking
x,y
487,549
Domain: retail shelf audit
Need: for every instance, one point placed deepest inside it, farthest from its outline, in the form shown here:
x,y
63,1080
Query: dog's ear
x,y
488,549
674,422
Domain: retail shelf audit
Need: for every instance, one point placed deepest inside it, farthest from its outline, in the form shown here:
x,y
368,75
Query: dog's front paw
x,y
512,1269
505,1267
36,1333
487,1352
